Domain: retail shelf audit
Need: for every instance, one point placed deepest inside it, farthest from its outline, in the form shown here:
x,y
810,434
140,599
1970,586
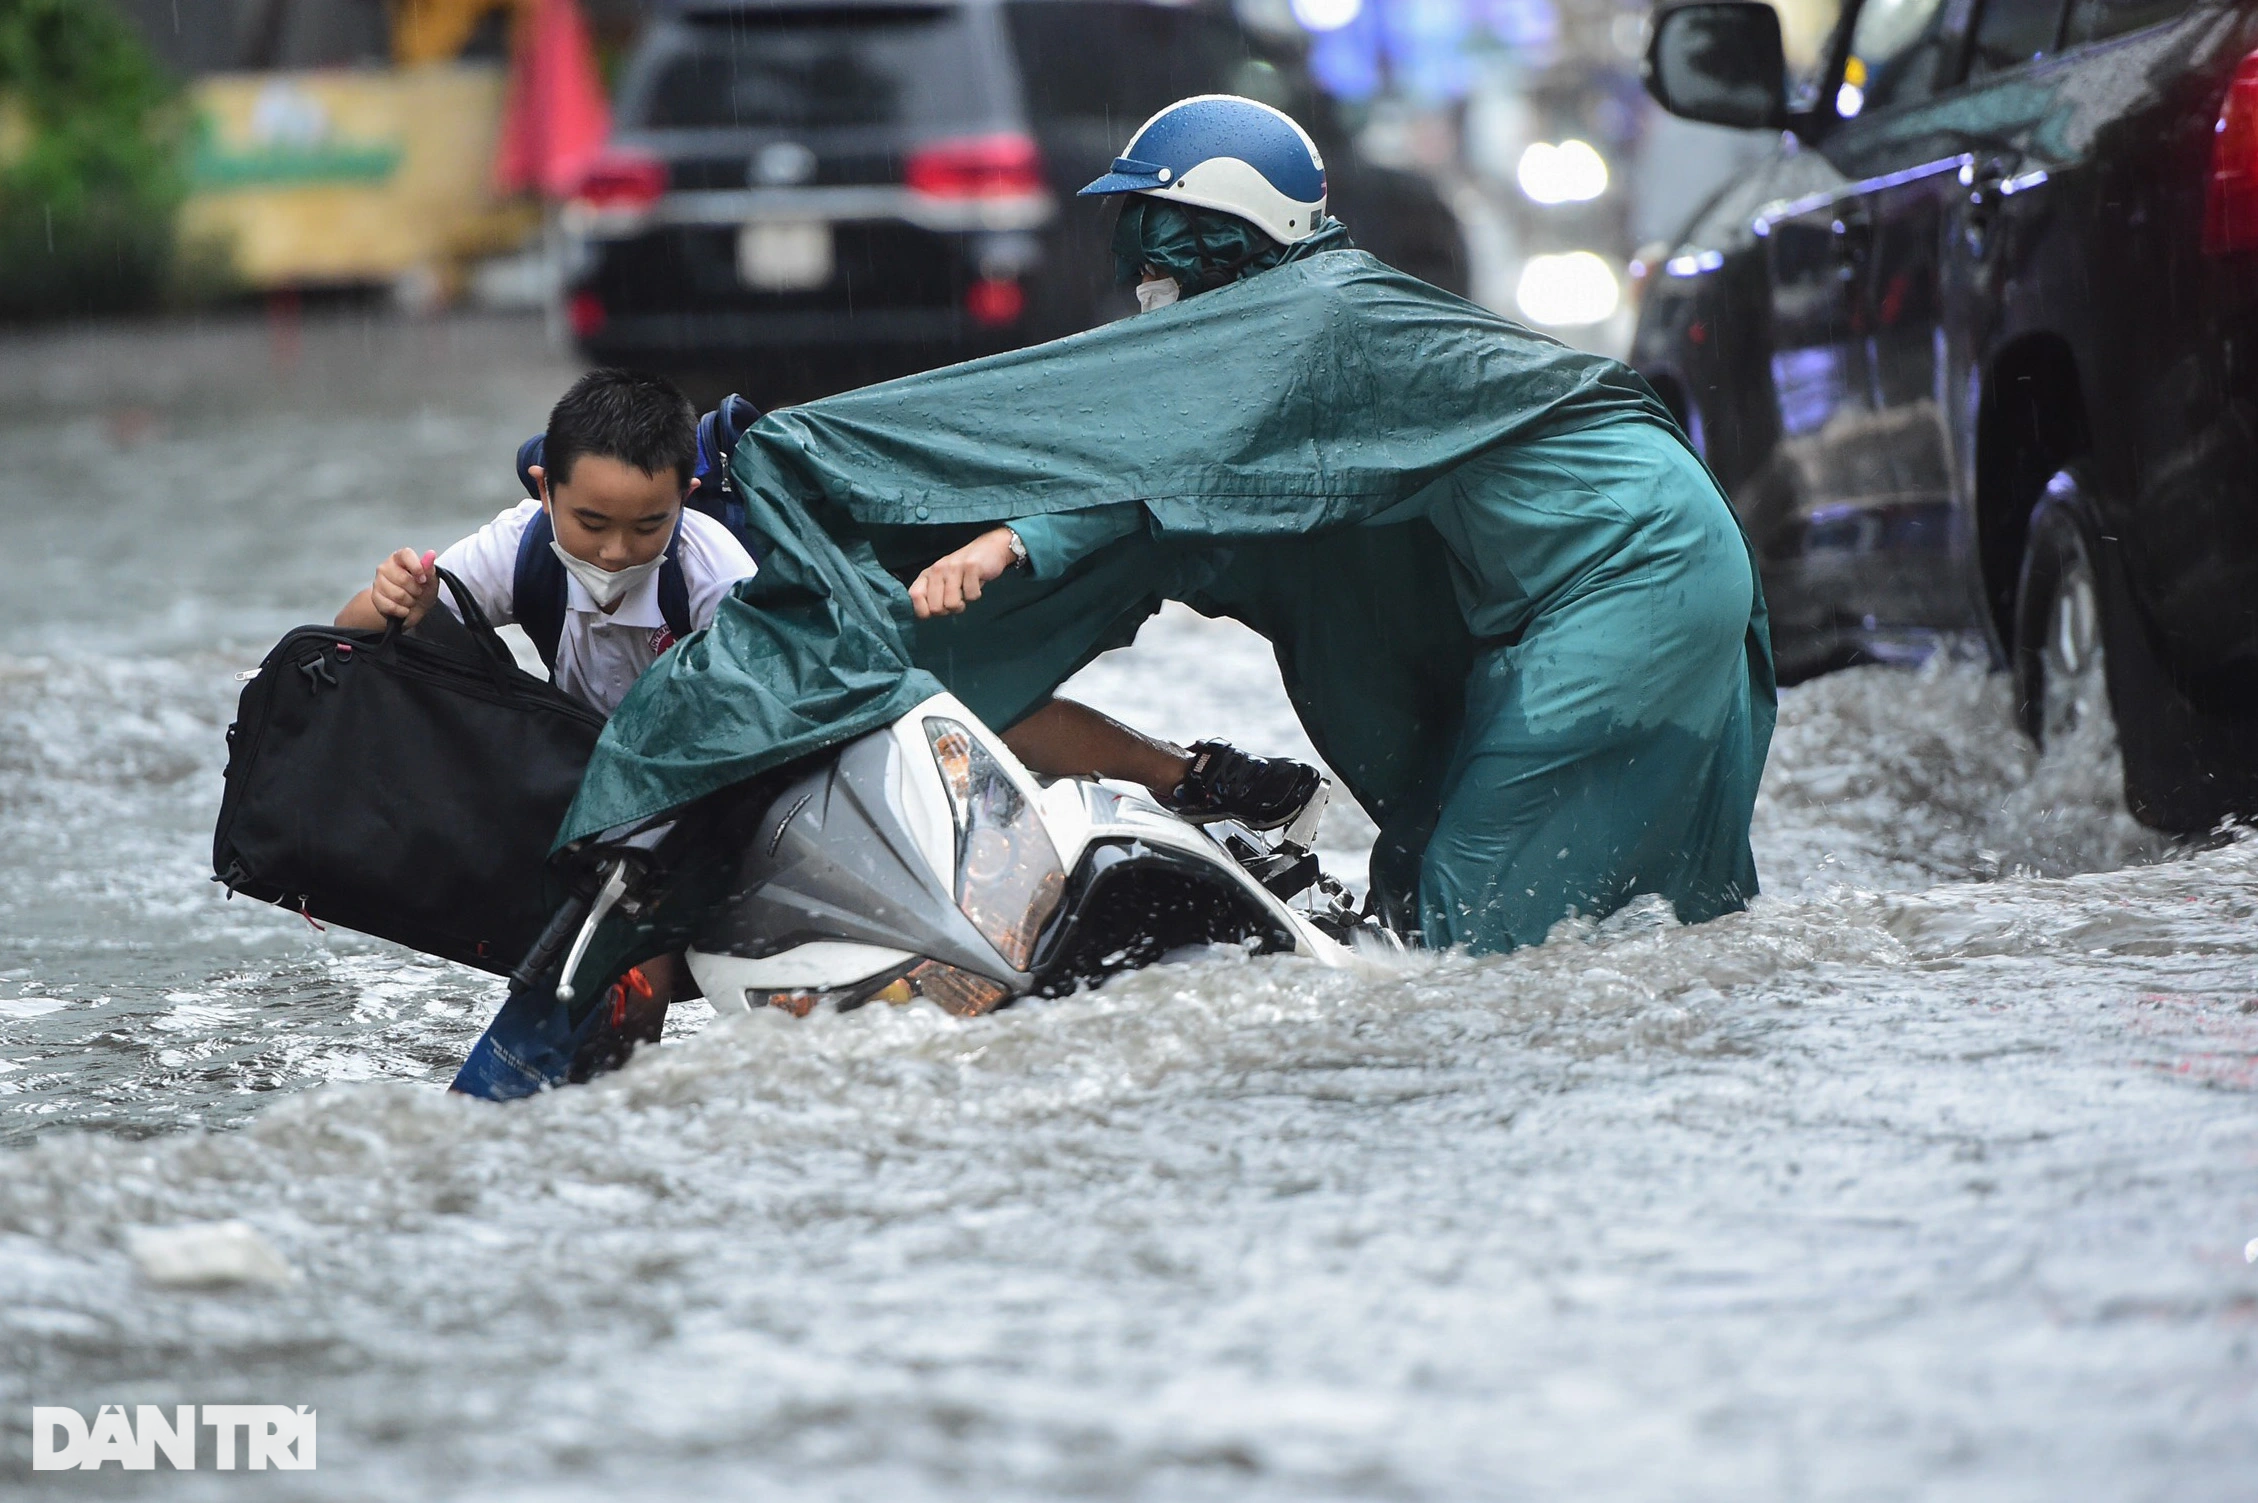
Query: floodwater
x,y
1930,1177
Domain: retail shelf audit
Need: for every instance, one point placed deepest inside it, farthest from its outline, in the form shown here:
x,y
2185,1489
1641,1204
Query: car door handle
x,y
1854,242
1992,179
1988,182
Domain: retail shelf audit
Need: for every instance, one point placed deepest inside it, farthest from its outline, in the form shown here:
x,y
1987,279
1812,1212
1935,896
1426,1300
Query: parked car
x,y
1975,353
806,195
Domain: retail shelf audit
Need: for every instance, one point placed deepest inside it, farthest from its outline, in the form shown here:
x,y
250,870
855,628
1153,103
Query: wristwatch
x,y
1018,550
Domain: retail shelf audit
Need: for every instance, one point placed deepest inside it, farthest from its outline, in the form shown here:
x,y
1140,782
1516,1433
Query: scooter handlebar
x,y
563,924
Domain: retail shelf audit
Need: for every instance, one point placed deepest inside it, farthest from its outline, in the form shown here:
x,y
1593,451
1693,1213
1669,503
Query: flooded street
x,y
1930,1177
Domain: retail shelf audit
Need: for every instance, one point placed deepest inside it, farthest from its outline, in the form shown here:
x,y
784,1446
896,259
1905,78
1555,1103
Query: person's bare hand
x,y
406,586
950,584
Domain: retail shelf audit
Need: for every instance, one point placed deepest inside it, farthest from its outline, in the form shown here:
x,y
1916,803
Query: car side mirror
x,y
1721,62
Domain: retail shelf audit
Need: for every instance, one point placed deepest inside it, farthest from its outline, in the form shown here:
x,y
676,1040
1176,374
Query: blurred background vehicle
x,y
442,151
808,196
326,145
1971,351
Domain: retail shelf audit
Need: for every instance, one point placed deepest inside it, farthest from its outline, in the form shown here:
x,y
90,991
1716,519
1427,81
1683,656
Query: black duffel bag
x,y
405,784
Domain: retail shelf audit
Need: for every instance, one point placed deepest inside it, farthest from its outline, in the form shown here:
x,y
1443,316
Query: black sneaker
x,y
1262,793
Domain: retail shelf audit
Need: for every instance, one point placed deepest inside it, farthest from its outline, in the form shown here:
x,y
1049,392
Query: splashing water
x,y
1930,1176
1888,779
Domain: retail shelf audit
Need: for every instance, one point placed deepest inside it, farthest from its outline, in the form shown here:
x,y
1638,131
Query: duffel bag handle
x,y
468,620
466,605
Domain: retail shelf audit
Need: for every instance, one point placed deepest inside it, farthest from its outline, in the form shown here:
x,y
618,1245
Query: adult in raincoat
x,y
1510,605
1618,705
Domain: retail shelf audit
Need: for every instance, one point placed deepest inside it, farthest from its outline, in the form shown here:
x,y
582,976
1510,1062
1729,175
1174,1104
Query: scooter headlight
x,y
952,989
949,988
1008,880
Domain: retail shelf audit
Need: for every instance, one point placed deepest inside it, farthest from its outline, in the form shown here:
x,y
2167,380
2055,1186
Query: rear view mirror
x,y
1720,61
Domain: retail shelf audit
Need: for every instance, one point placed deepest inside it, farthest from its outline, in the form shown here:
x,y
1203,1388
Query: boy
x,y
619,452
637,565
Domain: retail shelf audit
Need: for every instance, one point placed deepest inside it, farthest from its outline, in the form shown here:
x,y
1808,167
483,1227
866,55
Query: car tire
x,y
2060,658
2082,649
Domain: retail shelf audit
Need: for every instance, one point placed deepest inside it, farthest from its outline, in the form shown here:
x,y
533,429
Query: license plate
x,y
787,257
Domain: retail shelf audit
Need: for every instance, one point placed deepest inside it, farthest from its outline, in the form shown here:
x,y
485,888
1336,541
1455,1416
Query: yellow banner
x,y
343,177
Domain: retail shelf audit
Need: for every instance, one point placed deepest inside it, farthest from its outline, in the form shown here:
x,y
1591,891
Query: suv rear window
x,y
836,66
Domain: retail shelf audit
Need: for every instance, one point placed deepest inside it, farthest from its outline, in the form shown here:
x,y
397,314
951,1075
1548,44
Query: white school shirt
x,y
600,654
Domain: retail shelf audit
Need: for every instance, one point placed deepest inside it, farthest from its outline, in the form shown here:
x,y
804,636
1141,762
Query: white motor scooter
x,y
922,861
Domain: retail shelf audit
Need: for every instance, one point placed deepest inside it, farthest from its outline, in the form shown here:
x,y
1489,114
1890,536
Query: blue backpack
x,y
716,495
537,585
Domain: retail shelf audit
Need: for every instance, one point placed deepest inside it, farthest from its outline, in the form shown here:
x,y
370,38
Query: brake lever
x,y
607,898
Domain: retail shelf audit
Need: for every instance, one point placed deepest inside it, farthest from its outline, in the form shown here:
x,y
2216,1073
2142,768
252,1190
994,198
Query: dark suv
x,y
1976,353
801,196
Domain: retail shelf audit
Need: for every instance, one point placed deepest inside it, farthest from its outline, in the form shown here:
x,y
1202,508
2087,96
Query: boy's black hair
x,y
629,416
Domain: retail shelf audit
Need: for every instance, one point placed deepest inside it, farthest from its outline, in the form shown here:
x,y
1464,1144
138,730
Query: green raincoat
x,y
1509,605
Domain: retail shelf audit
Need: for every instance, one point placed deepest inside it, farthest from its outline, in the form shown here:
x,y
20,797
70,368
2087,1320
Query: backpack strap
x,y
674,587
537,589
529,455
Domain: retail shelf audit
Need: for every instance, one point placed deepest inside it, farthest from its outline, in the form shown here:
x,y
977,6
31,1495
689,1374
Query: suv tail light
x,y
586,313
620,182
995,301
1001,166
2230,208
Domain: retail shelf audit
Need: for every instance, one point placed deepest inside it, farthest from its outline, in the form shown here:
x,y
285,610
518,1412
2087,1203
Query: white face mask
x,y
607,587
1159,294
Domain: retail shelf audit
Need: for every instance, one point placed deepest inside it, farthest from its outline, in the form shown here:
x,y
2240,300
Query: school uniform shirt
x,y
600,654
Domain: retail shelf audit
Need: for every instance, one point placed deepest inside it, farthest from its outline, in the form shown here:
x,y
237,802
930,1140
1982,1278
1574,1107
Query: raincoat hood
x,y
1203,249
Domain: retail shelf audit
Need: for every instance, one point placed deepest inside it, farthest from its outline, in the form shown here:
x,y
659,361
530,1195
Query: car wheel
x,y
2082,657
2061,681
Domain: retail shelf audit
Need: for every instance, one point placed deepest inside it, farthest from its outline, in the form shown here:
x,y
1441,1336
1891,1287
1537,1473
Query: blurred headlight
x,y
1009,881
1566,290
1326,15
1571,173
1851,97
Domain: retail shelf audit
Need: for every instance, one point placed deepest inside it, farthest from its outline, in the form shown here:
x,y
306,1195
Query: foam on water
x,y
1775,1206
1886,779
1931,1175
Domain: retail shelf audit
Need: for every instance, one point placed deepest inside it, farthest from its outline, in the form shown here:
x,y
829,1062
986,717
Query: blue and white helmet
x,y
1220,151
